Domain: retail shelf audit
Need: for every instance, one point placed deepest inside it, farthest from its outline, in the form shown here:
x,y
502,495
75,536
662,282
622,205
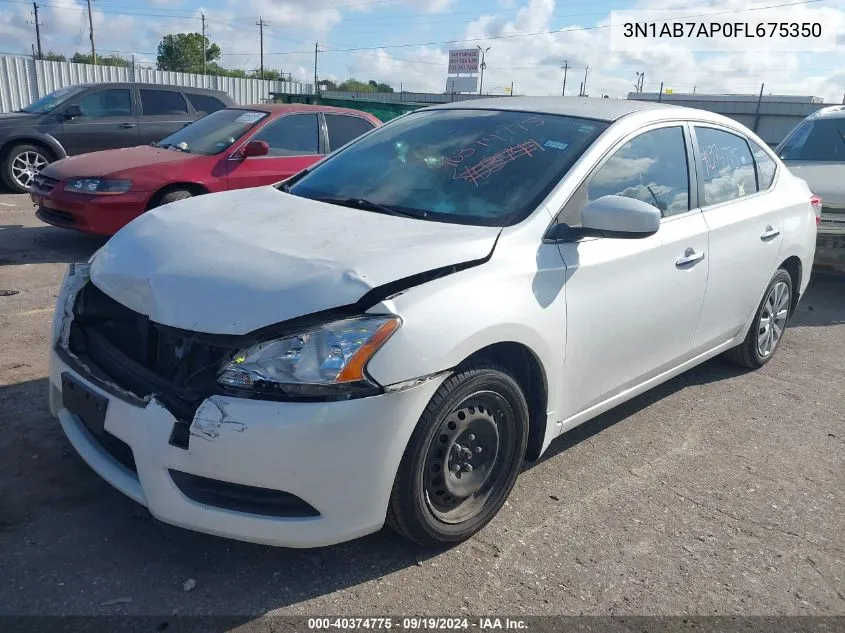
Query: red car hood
x,y
113,161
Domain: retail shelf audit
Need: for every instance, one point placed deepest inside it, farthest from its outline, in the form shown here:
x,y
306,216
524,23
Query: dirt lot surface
x,y
720,492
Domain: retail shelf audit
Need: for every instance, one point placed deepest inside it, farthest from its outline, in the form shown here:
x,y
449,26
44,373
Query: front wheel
x,y
463,457
768,326
21,164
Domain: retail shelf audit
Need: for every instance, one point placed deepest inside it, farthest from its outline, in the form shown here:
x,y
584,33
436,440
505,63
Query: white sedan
x,y
388,335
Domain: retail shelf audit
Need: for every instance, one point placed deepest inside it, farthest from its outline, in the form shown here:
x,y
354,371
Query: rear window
x,y
205,104
343,128
815,140
162,102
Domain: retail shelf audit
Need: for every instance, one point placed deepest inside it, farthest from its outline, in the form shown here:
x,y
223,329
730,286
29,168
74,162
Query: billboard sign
x,y
463,61
461,84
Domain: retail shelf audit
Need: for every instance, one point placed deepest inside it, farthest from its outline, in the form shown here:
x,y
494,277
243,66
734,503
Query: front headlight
x,y
98,185
327,360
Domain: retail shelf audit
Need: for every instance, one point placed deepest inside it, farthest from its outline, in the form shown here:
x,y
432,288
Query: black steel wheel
x,y
463,458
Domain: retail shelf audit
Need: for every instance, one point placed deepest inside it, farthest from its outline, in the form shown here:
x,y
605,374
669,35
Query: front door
x,y
633,304
745,236
295,144
108,121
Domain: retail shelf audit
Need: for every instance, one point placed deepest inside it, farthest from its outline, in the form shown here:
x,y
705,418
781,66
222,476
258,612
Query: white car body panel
x,y
605,319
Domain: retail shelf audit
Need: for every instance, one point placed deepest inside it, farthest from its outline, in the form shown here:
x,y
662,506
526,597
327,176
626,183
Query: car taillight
x,y
816,201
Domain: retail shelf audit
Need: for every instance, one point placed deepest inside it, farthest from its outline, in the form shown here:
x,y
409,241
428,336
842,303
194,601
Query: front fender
x,y
31,135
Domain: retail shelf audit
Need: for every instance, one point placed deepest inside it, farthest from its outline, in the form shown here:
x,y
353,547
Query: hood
x,y
824,179
113,161
10,119
234,262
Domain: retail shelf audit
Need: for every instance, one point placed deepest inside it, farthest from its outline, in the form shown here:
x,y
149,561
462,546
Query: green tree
x,y
50,56
107,60
182,52
327,84
353,85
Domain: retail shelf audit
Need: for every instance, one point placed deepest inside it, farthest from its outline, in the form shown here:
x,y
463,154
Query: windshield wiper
x,y
369,205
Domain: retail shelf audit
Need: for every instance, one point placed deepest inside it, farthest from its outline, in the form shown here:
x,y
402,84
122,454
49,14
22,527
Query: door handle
x,y
770,233
126,126
690,257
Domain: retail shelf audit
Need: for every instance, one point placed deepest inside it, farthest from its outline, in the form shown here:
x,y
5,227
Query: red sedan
x,y
234,148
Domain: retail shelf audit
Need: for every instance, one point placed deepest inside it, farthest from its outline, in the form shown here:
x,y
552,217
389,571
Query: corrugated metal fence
x,y
24,80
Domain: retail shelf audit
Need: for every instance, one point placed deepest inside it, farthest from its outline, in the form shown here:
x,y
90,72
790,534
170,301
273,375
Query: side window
x,y
343,128
162,102
114,102
205,104
727,166
651,167
765,166
292,135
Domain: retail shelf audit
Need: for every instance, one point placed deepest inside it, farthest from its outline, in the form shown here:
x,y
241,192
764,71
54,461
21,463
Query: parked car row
x,y
387,335
90,117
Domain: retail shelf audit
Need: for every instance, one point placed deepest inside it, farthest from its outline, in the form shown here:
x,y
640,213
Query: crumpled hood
x,y
824,179
233,262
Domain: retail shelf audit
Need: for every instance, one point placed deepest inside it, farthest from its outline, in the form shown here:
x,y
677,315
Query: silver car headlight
x,y
323,361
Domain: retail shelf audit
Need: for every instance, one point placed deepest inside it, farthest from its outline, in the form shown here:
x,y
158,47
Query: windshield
x,y
51,101
815,140
213,133
482,167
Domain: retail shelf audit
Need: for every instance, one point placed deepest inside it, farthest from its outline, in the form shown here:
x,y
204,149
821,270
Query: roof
x,y
138,84
272,108
831,112
585,107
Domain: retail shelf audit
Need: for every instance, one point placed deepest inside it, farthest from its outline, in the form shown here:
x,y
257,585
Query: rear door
x,y
162,113
343,128
295,143
745,221
109,121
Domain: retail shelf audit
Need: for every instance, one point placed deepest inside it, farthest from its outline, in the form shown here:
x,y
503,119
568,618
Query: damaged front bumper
x,y
297,474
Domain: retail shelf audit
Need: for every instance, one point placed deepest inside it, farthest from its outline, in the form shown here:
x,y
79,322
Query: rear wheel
x,y
769,324
21,164
463,458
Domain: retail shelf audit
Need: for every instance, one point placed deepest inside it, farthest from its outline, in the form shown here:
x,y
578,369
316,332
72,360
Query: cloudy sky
x,y
405,42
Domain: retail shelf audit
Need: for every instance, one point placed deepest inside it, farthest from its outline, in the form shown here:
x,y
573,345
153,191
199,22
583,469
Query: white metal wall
x,y
24,80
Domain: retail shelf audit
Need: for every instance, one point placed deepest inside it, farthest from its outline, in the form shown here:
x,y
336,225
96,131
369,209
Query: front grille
x,y
43,184
141,356
241,498
51,216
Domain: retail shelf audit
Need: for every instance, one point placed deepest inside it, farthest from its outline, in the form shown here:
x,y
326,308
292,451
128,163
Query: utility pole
x,y
584,92
660,96
511,88
565,68
316,50
639,84
37,29
483,66
204,47
261,24
757,113
91,27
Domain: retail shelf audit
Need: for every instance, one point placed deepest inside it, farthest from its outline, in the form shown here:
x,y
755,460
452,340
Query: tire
x,y
172,196
480,406
20,165
749,353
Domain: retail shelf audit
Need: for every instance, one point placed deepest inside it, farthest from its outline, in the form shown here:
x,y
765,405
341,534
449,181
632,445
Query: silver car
x,y
815,151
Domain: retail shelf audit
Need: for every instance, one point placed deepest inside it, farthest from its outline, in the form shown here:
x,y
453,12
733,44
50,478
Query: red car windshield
x,y
214,133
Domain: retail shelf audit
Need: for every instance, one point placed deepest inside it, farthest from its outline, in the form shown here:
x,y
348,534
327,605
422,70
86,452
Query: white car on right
x,y
815,151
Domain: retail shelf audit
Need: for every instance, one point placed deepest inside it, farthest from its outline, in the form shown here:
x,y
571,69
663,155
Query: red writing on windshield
x,y
497,162
499,135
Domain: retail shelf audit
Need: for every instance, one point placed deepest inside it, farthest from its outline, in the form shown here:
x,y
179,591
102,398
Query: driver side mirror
x,y
611,216
255,148
73,111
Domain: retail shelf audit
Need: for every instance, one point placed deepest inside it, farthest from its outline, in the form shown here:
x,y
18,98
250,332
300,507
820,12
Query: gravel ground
x,y
718,493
